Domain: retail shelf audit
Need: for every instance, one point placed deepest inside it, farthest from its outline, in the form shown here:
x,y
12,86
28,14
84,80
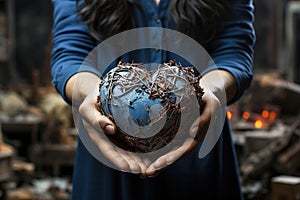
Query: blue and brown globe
x,y
146,105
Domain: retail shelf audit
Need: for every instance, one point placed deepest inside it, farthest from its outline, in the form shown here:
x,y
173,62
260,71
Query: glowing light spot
x,y
258,124
229,115
246,115
273,115
265,114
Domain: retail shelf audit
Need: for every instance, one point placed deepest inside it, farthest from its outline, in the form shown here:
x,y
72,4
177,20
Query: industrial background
x,y
38,137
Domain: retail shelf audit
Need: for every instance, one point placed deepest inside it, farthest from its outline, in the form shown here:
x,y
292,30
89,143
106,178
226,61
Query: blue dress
x,y
216,176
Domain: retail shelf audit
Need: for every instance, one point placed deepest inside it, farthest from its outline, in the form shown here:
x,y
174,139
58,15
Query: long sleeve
x,y
71,43
232,47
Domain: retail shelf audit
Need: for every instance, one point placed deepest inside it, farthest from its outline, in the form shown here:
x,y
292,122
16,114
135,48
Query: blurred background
x,y
37,134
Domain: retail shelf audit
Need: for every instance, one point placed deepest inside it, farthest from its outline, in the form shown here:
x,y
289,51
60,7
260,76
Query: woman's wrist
x,y
221,83
80,85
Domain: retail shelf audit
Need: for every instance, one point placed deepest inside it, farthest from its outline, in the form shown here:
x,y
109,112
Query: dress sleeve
x,y
232,48
71,43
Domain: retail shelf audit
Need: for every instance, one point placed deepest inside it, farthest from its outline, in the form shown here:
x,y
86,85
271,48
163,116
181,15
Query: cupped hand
x,y
85,90
219,88
197,132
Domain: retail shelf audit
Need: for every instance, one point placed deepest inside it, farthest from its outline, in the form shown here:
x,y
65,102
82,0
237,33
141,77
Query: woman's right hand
x,y
83,90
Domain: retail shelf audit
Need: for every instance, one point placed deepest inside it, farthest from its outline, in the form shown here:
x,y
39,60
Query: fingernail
x,y
110,129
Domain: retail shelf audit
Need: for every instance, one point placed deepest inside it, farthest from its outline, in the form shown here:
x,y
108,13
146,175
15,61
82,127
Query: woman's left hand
x,y
219,88
197,132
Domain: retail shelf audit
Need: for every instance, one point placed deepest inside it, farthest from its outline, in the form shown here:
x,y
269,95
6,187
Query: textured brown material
x,y
166,76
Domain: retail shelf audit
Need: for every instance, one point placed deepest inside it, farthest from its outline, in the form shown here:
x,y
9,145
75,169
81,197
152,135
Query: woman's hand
x,y
83,89
197,132
219,88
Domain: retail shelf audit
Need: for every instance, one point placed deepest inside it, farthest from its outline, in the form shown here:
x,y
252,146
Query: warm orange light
x,y
273,115
246,115
229,115
265,114
258,124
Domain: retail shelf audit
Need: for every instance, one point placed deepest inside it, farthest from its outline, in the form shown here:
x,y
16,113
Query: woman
x,y
223,28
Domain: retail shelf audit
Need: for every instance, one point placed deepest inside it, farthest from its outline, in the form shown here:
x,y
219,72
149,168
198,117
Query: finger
x,y
153,174
134,164
147,162
135,161
89,112
143,163
200,126
106,148
170,157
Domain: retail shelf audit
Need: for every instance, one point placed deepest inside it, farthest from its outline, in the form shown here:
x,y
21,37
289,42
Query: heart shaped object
x,y
146,104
